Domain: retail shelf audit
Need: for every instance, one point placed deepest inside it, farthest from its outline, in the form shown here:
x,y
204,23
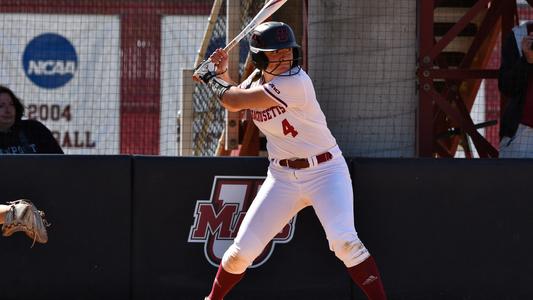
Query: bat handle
x,y
235,41
230,46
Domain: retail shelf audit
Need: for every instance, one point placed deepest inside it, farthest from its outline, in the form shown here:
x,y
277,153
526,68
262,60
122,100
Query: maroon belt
x,y
302,163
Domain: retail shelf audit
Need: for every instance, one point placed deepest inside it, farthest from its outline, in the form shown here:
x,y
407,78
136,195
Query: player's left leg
x,y
331,195
275,204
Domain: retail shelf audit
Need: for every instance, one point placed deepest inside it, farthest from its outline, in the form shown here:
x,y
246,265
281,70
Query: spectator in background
x,y
516,83
19,136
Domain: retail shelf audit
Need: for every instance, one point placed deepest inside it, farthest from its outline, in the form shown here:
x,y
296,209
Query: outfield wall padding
x,y
121,229
448,229
87,200
167,266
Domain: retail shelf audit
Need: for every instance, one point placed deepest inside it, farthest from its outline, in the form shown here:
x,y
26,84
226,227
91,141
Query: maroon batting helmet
x,y
272,36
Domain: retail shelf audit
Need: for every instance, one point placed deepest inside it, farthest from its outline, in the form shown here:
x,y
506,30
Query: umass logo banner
x,y
217,221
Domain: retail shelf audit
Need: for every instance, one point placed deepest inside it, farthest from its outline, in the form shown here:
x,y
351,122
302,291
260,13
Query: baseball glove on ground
x,y
24,216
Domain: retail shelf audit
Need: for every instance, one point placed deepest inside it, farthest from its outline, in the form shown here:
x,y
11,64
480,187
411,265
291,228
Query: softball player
x,y
306,165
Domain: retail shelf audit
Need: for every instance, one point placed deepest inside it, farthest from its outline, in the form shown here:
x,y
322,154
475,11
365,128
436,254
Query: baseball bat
x,y
207,35
270,7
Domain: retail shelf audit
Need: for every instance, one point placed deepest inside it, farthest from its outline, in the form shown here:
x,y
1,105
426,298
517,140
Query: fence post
x,y
232,29
185,117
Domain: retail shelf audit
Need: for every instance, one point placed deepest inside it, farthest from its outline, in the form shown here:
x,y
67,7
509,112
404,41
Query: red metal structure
x,y
449,80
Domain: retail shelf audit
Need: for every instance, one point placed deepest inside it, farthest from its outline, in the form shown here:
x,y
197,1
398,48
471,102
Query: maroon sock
x,y
223,283
366,276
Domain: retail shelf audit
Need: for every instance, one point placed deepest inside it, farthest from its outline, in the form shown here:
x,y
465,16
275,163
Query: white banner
x,y
66,69
181,38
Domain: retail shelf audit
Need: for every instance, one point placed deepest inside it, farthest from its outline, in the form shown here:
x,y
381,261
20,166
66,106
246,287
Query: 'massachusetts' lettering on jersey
x,y
268,114
217,221
302,130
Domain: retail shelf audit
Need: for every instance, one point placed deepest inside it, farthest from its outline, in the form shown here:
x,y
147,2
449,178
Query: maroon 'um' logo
x,y
282,34
217,221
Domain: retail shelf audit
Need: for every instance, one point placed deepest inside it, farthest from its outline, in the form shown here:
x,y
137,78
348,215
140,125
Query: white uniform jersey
x,y
296,127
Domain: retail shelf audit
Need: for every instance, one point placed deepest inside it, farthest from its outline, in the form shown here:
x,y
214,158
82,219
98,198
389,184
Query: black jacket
x,y
28,137
512,82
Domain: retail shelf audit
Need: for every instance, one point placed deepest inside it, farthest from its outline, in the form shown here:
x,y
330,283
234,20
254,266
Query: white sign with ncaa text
x,y
66,70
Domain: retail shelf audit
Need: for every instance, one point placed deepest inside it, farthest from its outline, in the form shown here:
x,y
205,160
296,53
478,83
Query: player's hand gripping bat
x,y
206,69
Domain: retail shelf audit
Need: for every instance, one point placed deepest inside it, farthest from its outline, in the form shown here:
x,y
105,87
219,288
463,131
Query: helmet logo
x,y
258,40
282,34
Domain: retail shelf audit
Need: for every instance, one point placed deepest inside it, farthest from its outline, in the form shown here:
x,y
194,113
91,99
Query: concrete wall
x,y
362,59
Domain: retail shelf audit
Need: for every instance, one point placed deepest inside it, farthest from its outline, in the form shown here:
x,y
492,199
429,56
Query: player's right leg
x,y
332,199
275,204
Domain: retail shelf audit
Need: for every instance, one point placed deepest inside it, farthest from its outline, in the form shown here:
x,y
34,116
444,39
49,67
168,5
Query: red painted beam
x,y
140,84
160,7
485,149
457,28
425,103
461,73
489,23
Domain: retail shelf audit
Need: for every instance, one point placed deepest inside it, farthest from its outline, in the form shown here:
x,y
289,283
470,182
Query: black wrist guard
x,y
218,86
205,71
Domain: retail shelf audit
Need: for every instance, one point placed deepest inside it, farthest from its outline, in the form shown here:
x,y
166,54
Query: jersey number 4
x,y
288,128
